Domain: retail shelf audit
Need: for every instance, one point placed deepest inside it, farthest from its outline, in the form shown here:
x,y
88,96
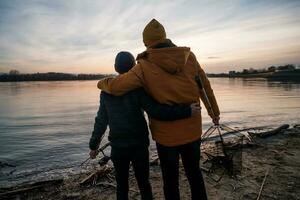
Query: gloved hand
x,y
216,120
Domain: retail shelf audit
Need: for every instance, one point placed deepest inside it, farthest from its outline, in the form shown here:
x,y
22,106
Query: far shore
x,y
87,77
293,74
51,76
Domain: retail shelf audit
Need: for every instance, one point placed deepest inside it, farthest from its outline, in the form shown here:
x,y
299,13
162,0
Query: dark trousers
x,y
169,162
139,157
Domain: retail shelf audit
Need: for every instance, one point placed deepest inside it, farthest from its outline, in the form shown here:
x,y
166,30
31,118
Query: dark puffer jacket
x,y
125,117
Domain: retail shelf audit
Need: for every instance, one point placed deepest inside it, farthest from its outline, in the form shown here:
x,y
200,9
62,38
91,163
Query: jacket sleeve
x,y
101,122
213,108
163,112
123,83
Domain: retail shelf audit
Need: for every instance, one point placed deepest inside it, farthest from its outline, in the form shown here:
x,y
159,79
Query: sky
x,y
83,36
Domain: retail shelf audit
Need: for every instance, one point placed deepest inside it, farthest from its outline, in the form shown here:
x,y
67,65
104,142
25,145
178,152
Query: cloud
x,y
213,57
40,35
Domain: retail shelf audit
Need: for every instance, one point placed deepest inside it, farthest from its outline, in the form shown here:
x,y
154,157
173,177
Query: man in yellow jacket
x,y
167,73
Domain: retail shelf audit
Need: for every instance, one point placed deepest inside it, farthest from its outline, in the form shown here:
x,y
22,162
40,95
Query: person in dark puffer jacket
x,y
129,131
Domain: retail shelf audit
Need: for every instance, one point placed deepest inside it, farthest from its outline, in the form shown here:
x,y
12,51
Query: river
x,y
45,126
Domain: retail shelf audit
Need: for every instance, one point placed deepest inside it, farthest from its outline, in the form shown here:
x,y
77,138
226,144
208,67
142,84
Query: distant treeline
x,y
15,76
288,67
282,71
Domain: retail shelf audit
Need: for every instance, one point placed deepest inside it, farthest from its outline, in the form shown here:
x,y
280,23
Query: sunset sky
x,y
83,36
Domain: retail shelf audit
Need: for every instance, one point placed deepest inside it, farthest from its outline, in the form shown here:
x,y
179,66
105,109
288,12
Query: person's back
x,y
128,136
128,127
178,67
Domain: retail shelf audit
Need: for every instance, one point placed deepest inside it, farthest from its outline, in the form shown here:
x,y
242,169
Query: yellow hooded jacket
x,y
168,75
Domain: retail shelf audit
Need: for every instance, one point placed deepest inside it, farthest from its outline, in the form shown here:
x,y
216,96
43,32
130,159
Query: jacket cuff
x,y
211,114
93,144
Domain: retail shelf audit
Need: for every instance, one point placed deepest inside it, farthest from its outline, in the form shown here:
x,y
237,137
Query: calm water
x,y
45,126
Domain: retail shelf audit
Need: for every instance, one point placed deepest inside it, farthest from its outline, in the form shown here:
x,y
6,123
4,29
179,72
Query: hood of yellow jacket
x,y
170,59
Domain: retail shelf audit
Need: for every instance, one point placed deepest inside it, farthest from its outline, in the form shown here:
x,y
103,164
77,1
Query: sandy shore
x,y
275,159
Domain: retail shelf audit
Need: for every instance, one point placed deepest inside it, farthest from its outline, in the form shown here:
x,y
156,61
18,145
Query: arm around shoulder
x,y
123,83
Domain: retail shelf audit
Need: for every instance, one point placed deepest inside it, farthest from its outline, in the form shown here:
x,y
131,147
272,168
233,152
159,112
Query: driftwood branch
x,y
96,175
262,185
88,178
230,132
273,132
38,185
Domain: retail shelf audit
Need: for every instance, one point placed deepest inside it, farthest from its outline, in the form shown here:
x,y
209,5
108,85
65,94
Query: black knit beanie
x,y
124,62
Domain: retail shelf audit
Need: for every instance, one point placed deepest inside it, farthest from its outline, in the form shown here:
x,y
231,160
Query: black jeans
x,y
139,157
169,162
